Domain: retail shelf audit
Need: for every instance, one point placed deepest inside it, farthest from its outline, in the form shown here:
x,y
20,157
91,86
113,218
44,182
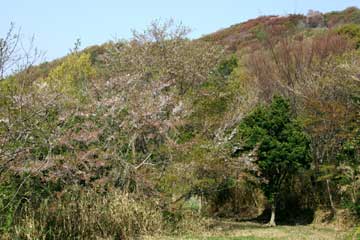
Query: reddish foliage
x,y
283,62
349,15
245,34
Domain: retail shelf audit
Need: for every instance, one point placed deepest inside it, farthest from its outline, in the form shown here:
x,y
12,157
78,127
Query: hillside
x,y
243,35
229,135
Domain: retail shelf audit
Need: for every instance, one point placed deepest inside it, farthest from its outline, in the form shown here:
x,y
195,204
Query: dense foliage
x,y
282,147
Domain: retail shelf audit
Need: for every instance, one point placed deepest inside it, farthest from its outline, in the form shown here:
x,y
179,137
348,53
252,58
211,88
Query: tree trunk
x,y
333,210
272,219
353,190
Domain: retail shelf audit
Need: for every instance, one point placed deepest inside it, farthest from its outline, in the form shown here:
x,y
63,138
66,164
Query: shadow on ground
x,y
285,217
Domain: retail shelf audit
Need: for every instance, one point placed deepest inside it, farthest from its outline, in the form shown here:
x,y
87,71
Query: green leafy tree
x,y
282,147
72,77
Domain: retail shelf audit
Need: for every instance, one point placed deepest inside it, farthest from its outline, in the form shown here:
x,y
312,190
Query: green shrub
x,y
227,66
355,207
18,192
352,31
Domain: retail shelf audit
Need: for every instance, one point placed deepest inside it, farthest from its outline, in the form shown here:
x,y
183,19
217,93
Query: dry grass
x,y
223,230
88,215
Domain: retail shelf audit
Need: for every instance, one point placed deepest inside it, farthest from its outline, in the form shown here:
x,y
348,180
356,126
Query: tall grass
x,y
87,215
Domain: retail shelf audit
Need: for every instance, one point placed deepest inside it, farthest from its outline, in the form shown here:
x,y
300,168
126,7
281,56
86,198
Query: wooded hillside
x,y
156,134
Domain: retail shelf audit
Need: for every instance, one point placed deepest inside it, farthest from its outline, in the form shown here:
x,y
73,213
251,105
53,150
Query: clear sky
x,y
57,24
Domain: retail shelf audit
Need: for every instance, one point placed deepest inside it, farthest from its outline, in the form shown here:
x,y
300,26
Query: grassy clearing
x,y
254,231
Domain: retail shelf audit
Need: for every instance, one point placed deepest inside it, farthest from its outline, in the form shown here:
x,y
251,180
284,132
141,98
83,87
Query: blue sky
x,y
57,24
